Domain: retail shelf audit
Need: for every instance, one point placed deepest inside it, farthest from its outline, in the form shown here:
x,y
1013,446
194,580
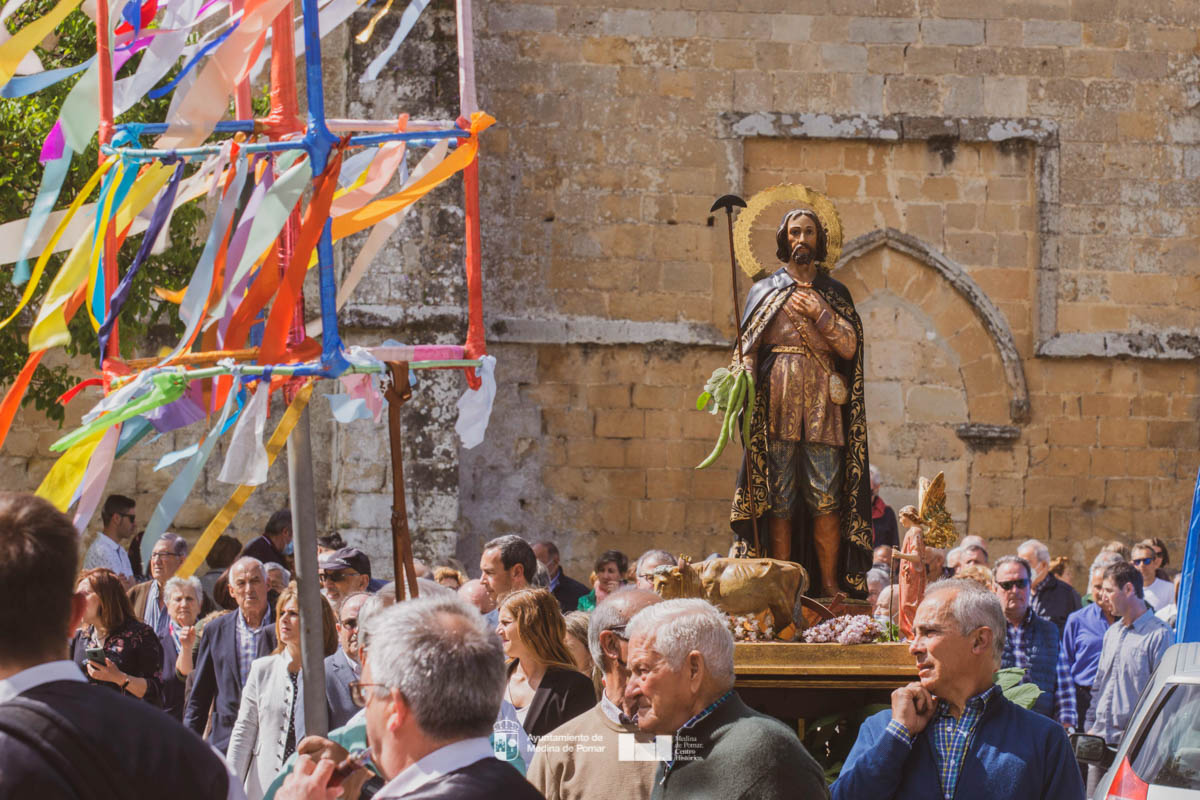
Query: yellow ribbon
x,y
362,218
50,327
15,49
40,266
241,494
59,485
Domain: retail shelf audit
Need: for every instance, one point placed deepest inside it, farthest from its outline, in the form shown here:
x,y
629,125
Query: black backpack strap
x,y
64,748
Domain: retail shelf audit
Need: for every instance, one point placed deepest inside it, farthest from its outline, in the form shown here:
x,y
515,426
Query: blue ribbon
x,y
52,182
154,94
22,85
161,212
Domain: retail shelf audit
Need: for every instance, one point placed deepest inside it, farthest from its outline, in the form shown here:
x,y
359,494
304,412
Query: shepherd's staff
x,y
728,202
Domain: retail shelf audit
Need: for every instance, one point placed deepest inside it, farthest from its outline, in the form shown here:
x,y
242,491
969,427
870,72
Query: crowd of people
x,y
526,682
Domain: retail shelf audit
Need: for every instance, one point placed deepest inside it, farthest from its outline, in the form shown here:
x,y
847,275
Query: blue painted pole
x,y
1187,624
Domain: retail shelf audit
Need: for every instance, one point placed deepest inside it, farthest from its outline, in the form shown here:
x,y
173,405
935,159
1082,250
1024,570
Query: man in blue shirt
x,y
1083,636
953,733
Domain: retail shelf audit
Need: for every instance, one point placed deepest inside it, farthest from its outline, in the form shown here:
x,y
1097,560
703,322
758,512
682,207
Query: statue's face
x,y
802,238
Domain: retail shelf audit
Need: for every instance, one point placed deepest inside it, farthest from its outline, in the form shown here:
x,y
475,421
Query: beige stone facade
x,y
1019,182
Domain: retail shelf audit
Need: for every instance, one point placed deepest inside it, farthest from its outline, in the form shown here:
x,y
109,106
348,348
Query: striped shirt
x,y
950,737
1016,653
247,642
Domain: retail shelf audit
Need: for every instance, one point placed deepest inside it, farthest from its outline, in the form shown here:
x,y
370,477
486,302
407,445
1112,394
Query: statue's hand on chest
x,y
807,302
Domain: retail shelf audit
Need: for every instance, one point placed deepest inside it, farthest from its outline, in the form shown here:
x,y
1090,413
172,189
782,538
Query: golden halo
x,y
796,196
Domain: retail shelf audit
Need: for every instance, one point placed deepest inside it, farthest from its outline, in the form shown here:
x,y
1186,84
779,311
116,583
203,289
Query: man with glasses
x,y
599,771
647,563
118,519
431,689
1157,592
149,598
345,572
345,666
1032,643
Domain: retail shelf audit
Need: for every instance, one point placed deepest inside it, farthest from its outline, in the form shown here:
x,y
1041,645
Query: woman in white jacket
x,y
271,717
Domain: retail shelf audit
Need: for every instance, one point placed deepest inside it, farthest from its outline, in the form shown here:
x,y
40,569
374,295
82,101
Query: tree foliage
x,y
24,123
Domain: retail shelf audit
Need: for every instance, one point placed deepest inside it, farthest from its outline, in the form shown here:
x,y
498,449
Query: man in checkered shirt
x,y
953,733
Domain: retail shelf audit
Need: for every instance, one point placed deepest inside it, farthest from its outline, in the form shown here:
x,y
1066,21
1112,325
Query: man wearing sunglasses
x,y
1158,593
345,572
345,666
1032,643
118,519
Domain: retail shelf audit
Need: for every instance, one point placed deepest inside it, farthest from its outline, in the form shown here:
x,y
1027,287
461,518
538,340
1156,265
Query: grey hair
x,y
1040,550
178,544
973,607
974,548
877,577
876,477
953,553
191,583
271,565
611,612
1104,559
680,627
252,560
541,578
450,669
656,555
1002,560
974,541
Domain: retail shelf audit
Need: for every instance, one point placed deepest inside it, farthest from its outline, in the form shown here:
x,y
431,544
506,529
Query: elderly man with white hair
x,y
1053,599
431,689
952,733
681,684
227,647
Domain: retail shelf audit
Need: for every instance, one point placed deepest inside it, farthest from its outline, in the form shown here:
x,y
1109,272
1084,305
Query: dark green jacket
x,y
736,752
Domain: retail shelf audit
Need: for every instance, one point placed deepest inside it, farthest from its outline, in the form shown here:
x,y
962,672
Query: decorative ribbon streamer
x,y
168,507
51,186
31,63
475,406
191,310
168,87
368,215
60,483
273,213
96,477
407,20
133,430
161,212
246,458
13,52
376,176
40,266
167,388
23,85
225,516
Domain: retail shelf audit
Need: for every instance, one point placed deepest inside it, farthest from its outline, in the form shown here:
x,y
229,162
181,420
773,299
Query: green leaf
x,y
702,400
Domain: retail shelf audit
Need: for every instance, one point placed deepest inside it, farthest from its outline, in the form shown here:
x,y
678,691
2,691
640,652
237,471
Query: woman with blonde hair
x,y
544,685
271,717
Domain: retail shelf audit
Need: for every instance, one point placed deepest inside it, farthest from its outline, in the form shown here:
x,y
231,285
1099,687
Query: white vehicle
x,y
1159,756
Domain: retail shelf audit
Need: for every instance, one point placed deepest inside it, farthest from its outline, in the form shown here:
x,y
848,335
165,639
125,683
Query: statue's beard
x,y
802,255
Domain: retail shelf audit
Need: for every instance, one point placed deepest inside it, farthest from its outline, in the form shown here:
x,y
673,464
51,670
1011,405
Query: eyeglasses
x,y
127,515
1140,561
162,556
336,577
1019,583
648,577
358,696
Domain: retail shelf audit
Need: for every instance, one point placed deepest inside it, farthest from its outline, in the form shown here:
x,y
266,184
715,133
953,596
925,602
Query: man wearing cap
x,y
345,572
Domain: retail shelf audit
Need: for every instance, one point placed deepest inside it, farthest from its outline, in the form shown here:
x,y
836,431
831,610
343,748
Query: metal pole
x,y
304,537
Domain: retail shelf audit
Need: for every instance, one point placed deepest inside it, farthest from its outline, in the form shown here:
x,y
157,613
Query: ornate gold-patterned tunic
x,y
799,408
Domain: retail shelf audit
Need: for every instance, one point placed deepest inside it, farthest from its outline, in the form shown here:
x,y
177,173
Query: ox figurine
x,y
739,586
